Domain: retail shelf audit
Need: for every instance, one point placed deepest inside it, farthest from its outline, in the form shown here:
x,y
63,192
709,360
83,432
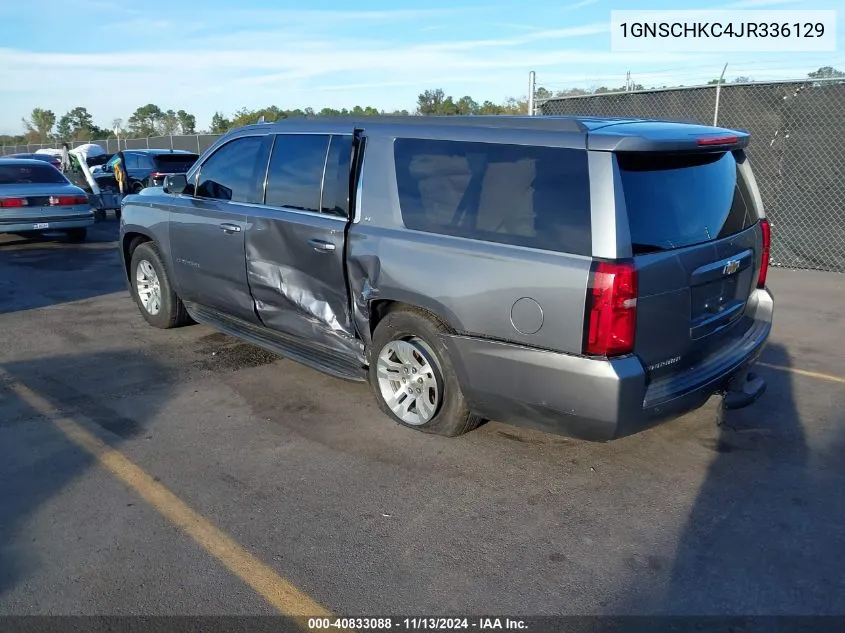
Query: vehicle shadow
x,y
38,462
46,270
764,535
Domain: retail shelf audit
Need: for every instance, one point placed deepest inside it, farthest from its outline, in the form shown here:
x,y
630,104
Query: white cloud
x,y
756,4
579,5
319,59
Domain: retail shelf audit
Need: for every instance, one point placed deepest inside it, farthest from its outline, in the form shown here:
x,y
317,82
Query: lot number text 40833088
x,y
418,623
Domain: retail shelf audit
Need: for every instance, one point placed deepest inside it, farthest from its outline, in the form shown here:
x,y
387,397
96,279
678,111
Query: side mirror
x,y
175,183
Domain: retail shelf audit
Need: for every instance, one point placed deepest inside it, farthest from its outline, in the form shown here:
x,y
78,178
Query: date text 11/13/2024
x,y
418,623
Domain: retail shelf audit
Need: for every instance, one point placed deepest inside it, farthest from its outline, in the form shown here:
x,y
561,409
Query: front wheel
x,y
413,378
152,291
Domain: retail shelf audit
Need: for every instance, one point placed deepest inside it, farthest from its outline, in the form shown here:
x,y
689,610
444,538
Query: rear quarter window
x,y
676,200
521,195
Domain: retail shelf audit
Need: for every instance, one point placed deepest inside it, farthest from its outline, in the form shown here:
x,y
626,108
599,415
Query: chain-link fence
x,y
190,142
797,152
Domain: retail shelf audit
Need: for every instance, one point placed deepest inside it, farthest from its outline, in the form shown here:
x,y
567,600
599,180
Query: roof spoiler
x,y
697,139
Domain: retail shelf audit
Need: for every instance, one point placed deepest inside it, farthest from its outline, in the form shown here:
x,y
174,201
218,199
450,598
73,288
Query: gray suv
x,y
587,276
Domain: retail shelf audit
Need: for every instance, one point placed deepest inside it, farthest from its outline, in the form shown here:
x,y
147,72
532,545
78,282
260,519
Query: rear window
x,y
175,163
676,200
510,194
30,173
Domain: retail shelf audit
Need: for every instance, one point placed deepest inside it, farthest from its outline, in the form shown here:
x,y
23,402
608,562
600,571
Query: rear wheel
x,y
413,378
137,187
152,291
77,234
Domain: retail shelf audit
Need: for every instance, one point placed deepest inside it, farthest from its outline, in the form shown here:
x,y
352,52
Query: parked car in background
x,y
148,167
55,161
37,197
588,276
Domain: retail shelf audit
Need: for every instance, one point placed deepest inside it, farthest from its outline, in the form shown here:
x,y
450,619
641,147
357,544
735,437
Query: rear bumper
x,y
54,223
591,398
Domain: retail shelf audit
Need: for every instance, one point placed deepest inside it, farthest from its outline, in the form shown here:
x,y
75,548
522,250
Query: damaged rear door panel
x,y
295,244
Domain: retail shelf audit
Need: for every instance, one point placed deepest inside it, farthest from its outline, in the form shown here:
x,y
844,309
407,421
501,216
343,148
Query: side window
x,y
231,173
522,195
336,183
131,161
296,171
146,162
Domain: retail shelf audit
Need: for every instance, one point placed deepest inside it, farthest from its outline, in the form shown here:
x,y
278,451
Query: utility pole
x,y
532,89
718,94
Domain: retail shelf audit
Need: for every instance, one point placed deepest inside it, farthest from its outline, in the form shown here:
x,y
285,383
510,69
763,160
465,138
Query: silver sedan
x,y
35,197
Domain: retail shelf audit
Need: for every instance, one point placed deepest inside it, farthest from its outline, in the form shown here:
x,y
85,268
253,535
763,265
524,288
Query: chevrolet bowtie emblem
x,y
731,267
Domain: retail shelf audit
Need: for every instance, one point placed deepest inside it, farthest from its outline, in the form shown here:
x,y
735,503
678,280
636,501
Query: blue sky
x,y
202,56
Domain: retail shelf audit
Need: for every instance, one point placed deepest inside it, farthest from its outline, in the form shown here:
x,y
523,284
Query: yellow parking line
x,y
277,591
804,372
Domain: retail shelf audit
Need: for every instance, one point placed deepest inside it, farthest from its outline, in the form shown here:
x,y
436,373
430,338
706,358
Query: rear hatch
x,y
694,221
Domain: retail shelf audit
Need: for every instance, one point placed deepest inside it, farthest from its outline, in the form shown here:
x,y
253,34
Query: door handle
x,y
230,228
321,245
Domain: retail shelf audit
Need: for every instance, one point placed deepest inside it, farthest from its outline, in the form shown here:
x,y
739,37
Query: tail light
x,y
766,228
717,140
64,201
156,175
13,203
611,314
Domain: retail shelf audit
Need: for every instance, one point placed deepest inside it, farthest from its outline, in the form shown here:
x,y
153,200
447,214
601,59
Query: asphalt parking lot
x,y
183,472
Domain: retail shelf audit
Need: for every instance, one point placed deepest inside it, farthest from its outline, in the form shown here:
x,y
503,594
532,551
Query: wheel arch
x,y
129,242
379,308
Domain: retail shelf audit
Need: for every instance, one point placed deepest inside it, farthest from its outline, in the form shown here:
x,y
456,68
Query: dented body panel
x,y
296,272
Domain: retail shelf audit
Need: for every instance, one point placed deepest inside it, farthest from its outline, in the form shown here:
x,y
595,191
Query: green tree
x,y
826,72
40,123
245,116
365,111
77,125
431,101
571,92
187,122
467,105
169,123
145,121
219,124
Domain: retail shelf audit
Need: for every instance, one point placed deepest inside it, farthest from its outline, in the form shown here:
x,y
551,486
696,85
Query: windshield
x,y
30,173
680,200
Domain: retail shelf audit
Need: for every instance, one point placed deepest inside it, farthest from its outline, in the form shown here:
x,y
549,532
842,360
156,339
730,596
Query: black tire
x,y
452,417
137,187
78,234
117,214
172,312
